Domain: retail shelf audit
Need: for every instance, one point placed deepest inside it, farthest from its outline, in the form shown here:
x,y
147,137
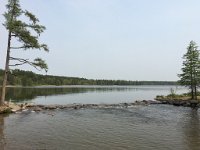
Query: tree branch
x,y
24,61
19,59
17,64
22,47
17,47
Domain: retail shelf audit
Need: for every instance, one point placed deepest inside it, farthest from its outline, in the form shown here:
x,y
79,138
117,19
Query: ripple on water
x,y
150,127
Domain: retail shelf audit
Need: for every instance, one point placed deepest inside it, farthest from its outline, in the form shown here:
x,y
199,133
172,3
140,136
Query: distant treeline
x,y
28,78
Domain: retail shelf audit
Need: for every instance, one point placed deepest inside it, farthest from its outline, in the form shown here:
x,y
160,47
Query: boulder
x,y
193,103
176,103
37,109
50,107
5,109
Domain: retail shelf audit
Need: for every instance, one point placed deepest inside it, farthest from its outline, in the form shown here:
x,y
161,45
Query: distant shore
x,y
46,86
21,77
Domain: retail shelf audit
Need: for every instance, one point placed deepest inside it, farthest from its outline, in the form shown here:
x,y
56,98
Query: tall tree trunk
x,y
192,92
6,71
195,92
195,82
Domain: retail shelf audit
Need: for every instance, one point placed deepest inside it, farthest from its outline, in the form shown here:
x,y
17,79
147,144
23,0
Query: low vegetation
x,y
174,96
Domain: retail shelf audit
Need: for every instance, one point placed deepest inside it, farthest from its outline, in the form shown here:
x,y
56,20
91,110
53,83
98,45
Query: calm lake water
x,y
88,94
152,127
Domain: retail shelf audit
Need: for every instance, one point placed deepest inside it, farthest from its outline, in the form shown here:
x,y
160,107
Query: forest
x,y
29,78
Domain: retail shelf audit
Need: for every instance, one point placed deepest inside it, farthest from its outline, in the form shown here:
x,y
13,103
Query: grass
x,y
173,96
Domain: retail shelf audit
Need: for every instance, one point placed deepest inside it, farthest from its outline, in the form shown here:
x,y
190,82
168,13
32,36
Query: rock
x,y
49,107
182,102
29,105
61,107
145,102
198,105
154,102
171,102
121,105
5,109
164,102
14,107
41,106
176,103
187,104
76,107
37,109
193,103
13,110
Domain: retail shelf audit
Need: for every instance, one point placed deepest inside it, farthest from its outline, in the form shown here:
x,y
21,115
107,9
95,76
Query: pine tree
x,y
190,76
26,34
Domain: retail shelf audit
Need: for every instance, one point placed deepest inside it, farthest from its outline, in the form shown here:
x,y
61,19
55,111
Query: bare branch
x,y
24,61
22,47
19,59
16,47
17,64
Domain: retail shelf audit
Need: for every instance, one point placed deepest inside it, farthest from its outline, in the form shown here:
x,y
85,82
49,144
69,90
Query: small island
x,y
179,100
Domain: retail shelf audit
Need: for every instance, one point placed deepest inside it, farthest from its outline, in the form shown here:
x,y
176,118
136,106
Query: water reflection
x,y
21,94
2,137
85,94
192,130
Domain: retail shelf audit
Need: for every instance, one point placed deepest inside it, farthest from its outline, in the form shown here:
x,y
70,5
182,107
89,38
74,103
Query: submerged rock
x,y
50,107
38,108
87,106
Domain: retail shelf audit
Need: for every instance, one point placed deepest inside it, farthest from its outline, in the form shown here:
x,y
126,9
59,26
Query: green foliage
x,y
190,76
41,63
26,33
28,78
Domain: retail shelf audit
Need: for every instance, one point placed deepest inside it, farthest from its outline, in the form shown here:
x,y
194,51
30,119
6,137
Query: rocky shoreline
x,y
13,108
90,106
37,108
180,102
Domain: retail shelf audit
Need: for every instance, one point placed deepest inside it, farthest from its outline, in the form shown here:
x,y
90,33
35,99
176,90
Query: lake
x,y
87,94
162,127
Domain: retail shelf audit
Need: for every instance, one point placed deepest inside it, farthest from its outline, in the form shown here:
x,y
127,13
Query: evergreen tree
x,y
26,34
190,76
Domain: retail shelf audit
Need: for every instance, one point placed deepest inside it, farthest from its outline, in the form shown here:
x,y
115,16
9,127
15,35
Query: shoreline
x,y
91,106
78,85
14,108
179,102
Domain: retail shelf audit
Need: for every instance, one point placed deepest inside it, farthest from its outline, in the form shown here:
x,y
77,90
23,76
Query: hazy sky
x,y
112,39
